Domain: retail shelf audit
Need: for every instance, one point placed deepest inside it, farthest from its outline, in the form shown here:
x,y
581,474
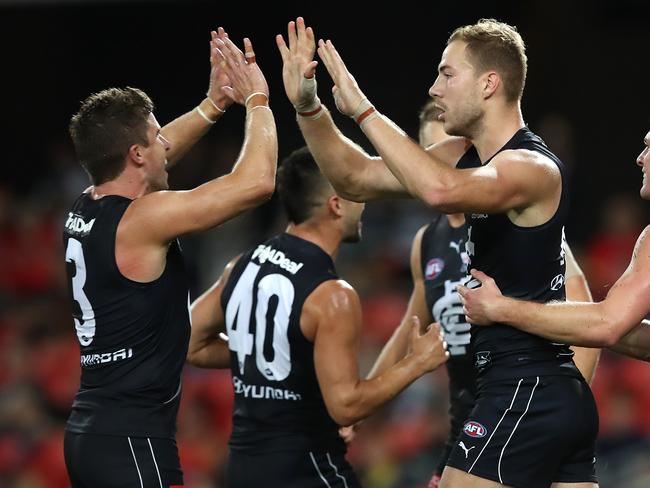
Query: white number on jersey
x,y
86,328
275,294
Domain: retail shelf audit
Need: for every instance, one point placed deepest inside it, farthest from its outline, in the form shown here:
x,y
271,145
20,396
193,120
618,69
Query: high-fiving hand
x,y
298,66
347,94
218,76
242,69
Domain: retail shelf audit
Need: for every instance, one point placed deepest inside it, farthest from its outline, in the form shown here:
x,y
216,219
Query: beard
x,y
466,123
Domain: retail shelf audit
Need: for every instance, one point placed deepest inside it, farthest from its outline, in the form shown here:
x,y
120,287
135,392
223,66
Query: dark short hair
x,y
301,185
106,126
494,45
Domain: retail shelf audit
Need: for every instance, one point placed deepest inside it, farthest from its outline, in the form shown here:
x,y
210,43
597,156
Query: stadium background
x,y
586,95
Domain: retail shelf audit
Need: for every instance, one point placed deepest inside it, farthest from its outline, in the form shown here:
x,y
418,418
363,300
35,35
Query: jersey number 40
x,y
275,294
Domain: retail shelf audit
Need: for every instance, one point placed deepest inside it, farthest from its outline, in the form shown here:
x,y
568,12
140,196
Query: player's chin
x,y
353,237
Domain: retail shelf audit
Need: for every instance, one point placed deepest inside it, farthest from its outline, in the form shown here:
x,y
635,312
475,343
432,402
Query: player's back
x,y
133,336
278,402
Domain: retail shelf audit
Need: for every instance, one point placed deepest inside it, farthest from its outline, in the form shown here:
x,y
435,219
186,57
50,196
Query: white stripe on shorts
x,y
336,471
497,426
513,430
313,460
154,462
136,463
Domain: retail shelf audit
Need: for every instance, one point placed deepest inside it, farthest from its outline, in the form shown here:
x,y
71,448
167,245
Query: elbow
x,y
264,188
350,188
438,198
345,416
192,357
346,410
611,332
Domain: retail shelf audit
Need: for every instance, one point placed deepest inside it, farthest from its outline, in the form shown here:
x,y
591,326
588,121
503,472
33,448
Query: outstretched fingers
x,y
282,47
292,36
249,54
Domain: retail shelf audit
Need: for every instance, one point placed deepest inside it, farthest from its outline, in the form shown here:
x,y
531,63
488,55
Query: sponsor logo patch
x,y
474,429
434,268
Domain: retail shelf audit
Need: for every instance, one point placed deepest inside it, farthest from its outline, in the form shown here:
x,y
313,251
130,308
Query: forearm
x,y
354,174
257,161
209,353
580,324
636,343
366,396
184,131
420,173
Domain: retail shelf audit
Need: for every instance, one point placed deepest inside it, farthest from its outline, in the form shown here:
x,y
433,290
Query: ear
x,y
334,205
491,82
136,155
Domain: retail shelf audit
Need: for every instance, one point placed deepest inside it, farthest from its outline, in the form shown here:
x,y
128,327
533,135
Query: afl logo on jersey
x,y
474,429
434,268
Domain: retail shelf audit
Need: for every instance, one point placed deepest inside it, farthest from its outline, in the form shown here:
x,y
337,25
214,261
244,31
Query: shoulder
x,y
525,158
333,297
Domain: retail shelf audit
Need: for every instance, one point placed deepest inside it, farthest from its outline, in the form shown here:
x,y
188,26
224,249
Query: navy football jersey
x,y
133,336
526,263
278,402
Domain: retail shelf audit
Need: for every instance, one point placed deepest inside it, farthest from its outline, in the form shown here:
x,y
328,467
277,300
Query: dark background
x,y
586,94
588,64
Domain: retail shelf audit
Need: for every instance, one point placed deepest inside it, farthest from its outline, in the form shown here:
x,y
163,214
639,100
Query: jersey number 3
x,y
84,320
275,295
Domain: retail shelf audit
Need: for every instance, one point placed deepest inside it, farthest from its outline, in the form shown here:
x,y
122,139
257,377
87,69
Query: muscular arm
x,y
332,318
600,324
513,179
185,131
577,290
397,346
354,174
206,348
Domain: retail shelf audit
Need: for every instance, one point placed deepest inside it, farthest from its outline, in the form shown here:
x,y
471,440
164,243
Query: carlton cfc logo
x,y
434,268
474,429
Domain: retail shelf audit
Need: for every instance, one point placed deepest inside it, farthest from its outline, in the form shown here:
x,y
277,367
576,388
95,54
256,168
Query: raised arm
x,y
207,349
354,174
577,290
600,324
332,319
511,180
184,131
153,220
397,346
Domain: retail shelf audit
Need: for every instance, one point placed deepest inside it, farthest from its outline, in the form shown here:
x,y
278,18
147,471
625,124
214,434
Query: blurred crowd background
x,y
586,96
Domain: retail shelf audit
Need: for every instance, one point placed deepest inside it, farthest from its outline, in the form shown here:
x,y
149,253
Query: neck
x,y
128,184
324,236
498,127
456,220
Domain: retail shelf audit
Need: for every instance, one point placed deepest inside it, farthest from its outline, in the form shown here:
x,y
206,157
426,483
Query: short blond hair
x,y
494,45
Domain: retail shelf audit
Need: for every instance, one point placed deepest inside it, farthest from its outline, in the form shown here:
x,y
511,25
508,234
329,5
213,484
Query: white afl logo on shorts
x,y
474,429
